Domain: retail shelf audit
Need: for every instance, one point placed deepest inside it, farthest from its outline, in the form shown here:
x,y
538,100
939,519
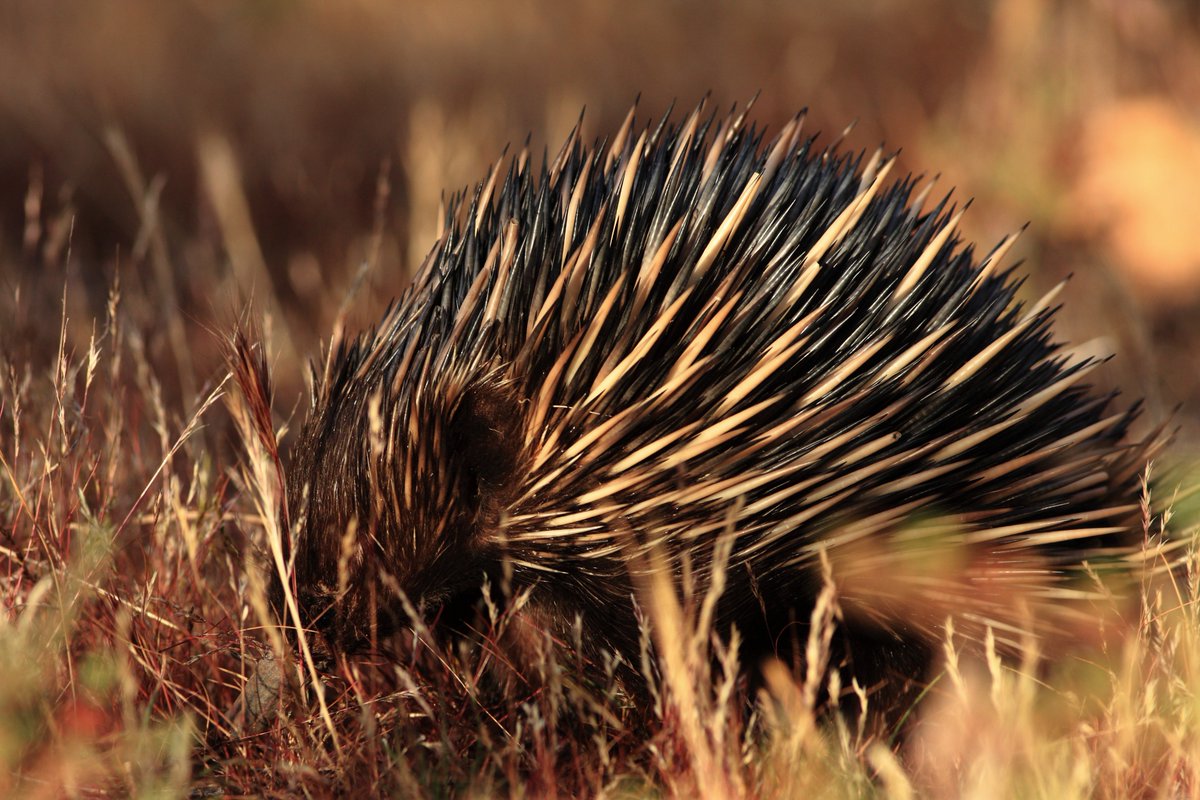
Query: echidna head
x,y
394,492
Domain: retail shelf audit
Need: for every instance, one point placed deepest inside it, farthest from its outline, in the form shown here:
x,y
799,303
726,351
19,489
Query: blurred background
x,y
208,154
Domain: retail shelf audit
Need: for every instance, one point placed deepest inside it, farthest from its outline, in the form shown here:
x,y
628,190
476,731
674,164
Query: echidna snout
x,y
696,332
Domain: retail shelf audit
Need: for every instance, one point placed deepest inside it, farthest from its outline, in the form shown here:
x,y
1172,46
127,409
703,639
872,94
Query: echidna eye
x,y
485,435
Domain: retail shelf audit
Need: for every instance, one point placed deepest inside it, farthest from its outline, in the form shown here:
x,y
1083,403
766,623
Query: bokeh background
x,y
214,156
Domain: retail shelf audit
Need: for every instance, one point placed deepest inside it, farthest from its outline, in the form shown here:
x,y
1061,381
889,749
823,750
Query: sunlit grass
x,y
134,574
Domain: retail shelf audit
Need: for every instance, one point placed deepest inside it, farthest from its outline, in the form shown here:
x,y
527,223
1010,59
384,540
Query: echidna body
x,y
693,333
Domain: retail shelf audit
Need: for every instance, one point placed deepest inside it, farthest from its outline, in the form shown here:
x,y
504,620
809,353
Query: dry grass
x,y
134,594
162,163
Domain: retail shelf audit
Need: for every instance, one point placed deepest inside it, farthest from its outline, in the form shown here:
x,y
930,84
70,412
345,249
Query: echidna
x,y
695,332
